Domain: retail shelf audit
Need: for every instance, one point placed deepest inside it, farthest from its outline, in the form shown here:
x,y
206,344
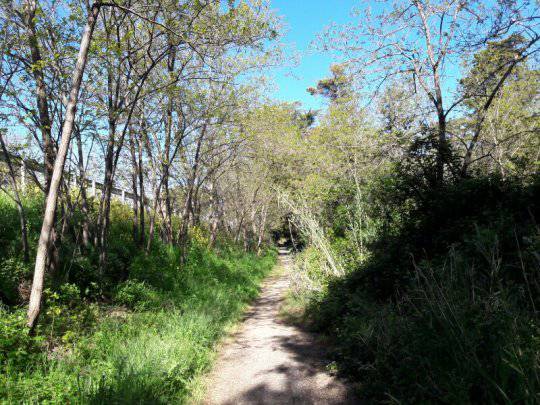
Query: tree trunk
x,y
166,164
442,147
41,93
151,226
84,197
52,197
142,202
105,203
188,209
134,186
30,8
18,202
262,228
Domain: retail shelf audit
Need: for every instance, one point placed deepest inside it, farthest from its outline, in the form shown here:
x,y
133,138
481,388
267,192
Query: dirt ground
x,y
270,362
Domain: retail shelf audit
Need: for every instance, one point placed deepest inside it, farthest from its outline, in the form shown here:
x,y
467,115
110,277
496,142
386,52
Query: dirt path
x,y
270,362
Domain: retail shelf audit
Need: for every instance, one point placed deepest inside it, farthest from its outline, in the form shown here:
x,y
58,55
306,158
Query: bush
x,y
66,316
136,295
444,307
17,348
160,268
13,271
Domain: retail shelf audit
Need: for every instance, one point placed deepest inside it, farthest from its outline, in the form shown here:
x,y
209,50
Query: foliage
x,y
444,306
136,295
148,338
17,348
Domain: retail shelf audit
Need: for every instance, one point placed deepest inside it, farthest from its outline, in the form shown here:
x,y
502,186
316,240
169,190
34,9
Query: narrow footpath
x,y
270,362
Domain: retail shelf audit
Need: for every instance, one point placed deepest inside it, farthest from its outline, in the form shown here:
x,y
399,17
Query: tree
x,y
50,206
420,40
499,79
161,74
337,87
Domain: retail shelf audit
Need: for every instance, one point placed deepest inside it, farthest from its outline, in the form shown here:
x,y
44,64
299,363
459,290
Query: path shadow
x,y
310,360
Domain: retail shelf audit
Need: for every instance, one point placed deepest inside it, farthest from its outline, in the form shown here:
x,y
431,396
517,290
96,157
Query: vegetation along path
x,y
270,362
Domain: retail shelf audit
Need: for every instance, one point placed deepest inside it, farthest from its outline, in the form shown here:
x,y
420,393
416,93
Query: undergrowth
x,y
443,305
146,339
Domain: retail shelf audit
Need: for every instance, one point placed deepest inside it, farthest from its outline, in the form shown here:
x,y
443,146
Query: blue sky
x,y
304,19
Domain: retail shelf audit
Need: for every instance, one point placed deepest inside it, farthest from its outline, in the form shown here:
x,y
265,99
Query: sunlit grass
x,y
153,356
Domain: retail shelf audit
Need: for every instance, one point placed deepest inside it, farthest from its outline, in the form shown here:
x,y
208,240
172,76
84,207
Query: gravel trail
x,y
270,362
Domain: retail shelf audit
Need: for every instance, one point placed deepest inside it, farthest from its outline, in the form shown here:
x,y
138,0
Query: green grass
x,y
147,338
150,356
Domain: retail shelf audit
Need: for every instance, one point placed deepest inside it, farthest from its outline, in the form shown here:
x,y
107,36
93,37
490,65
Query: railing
x,y
26,165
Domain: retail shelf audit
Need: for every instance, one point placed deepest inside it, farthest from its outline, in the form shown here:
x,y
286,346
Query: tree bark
x,y
187,210
30,8
166,164
18,202
34,307
134,186
142,202
82,186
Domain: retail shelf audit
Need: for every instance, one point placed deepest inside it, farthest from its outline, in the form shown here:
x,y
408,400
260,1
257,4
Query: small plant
x,y
17,347
136,295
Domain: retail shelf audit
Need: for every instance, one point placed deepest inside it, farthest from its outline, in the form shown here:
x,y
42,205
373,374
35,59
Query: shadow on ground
x,y
270,361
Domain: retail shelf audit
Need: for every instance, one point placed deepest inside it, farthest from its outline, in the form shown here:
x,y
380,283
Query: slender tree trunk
x,y
262,228
216,211
442,148
30,8
245,238
151,226
142,202
52,197
156,186
18,202
105,204
84,197
239,228
166,164
134,186
292,235
184,228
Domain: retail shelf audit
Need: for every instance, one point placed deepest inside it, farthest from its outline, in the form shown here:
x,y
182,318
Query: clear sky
x,y
303,20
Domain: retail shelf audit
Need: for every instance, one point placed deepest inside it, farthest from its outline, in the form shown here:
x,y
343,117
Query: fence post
x,y
123,196
93,188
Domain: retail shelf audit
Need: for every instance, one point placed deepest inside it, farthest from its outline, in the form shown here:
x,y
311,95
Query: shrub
x,y
444,306
13,271
136,295
17,348
160,268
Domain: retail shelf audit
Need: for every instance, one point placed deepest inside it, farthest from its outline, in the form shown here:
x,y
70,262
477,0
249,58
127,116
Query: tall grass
x,y
444,309
149,340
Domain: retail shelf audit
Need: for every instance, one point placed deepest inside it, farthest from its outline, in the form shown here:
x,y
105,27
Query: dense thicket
x,y
445,306
417,202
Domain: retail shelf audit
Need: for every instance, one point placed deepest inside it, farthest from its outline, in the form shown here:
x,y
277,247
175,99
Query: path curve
x,y
270,362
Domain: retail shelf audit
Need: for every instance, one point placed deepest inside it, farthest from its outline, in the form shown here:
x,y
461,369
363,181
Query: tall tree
x,y
34,306
421,40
